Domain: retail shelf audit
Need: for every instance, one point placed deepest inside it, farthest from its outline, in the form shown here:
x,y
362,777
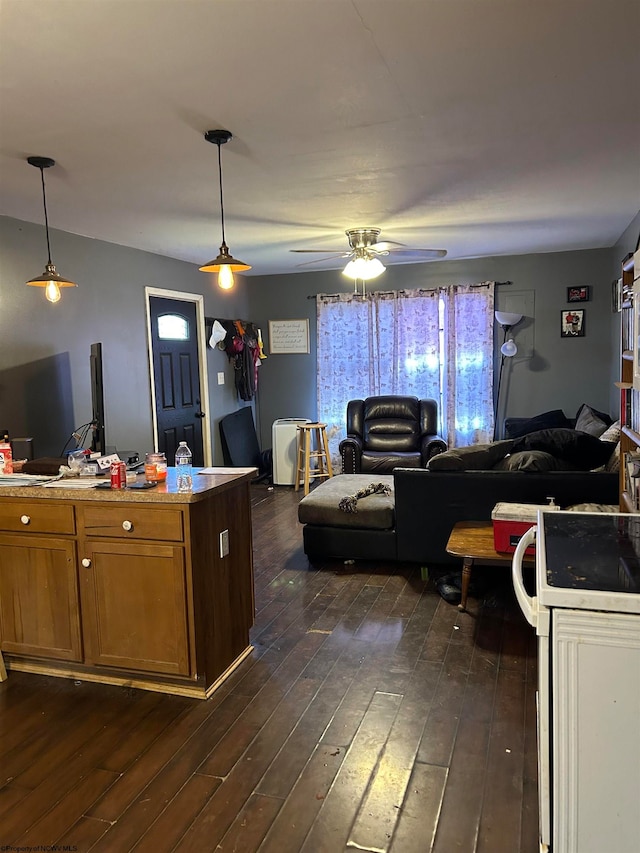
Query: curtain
x,y
424,343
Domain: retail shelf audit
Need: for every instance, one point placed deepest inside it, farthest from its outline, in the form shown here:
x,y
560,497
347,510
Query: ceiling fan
x,y
365,251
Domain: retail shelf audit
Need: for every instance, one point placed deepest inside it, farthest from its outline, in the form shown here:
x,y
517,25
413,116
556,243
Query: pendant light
x,y
50,279
225,264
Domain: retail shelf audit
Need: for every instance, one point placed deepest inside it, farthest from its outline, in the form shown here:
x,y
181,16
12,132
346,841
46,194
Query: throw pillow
x,y
547,420
585,452
611,433
602,415
588,420
477,457
613,465
532,460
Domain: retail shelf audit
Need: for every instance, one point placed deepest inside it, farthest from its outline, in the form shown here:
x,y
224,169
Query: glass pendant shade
x,y
364,269
50,279
224,264
509,348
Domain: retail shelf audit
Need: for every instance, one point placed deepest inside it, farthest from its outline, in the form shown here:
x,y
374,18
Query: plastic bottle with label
x,y
184,480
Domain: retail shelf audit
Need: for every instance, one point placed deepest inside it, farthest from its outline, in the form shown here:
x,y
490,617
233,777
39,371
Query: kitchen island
x,y
144,588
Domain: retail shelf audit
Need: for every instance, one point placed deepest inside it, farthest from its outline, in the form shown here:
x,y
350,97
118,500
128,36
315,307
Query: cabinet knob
x,y
86,563
25,519
127,525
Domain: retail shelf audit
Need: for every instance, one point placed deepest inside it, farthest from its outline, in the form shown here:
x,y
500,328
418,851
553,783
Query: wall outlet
x,y
220,378
224,543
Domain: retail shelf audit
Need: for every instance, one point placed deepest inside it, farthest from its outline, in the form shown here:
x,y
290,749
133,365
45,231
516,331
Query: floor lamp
x,y
507,350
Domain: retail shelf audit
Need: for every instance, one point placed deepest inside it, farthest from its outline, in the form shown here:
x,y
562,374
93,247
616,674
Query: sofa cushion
x,y
376,511
547,420
476,457
585,452
591,421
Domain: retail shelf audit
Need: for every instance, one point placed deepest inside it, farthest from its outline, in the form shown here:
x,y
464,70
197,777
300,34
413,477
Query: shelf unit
x,y
629,383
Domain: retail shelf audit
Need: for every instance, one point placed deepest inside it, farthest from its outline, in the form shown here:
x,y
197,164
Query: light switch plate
x,y
221,378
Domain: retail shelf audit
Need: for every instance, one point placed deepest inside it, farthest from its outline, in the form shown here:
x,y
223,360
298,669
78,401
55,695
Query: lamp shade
x,y
505,318
364,268
509,348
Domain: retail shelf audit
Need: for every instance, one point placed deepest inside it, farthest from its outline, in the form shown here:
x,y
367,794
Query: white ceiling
x,y
485,127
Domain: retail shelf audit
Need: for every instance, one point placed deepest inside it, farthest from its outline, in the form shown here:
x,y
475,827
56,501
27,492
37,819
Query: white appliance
x,y
586,612
284,449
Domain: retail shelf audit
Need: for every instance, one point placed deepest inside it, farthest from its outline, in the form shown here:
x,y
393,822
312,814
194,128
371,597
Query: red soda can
x,y
118,471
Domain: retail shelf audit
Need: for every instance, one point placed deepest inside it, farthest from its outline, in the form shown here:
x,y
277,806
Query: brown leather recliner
x,y
387,432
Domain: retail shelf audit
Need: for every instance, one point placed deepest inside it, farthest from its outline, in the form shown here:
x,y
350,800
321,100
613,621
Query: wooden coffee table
x,y
473,541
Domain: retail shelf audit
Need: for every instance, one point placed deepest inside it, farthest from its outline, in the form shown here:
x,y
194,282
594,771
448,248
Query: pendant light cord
x,y
46,218
221,201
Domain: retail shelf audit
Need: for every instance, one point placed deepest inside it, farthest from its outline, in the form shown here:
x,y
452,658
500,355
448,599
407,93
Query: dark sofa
x,y
429,503
549,456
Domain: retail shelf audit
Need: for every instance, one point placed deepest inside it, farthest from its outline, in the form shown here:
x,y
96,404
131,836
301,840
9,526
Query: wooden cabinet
x,y
129,589
39,610
629,383
134,606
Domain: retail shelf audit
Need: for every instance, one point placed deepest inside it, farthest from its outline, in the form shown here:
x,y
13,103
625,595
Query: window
x,y
424,343
173,327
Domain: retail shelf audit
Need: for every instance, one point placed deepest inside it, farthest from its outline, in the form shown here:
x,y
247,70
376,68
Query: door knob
x,y
199,414
86,562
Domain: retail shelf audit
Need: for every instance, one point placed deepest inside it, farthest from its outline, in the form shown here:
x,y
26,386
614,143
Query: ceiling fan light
x,y
364,268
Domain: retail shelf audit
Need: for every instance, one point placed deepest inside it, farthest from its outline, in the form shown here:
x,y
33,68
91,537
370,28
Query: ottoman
x,y
366,534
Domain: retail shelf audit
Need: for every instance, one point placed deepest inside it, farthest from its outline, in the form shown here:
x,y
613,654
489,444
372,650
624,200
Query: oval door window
x,y
173,327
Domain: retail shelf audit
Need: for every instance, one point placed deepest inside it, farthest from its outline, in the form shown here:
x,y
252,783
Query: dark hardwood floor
x,y
372,716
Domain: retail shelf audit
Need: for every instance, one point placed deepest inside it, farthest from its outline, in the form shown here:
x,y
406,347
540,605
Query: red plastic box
x,y
511,521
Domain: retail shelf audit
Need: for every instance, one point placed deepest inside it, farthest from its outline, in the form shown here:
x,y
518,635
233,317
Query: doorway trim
x,y
198,300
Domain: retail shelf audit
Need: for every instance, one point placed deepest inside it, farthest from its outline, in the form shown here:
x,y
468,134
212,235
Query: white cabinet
x,y
595,731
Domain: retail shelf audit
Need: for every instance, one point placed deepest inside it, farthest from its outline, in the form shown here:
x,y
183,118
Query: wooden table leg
x,y
3,670
467,565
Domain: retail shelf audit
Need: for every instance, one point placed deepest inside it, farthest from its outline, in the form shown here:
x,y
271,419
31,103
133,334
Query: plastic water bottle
x,y
183,468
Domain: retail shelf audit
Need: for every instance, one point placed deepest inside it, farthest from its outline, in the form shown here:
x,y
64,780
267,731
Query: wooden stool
x,y
306,453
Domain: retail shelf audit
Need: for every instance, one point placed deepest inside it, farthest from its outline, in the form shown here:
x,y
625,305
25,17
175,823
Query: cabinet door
x,y
39,613
134,606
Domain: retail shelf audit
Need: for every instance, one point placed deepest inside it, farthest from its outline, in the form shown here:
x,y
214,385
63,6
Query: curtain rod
x,y
480,284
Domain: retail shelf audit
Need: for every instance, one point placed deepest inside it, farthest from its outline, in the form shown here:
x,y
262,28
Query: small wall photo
x,y
578,294
572,323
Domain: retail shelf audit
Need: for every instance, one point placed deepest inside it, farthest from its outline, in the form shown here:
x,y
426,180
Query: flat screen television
x,y
98,440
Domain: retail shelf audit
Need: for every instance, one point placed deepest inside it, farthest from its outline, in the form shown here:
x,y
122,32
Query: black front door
x,y
174,341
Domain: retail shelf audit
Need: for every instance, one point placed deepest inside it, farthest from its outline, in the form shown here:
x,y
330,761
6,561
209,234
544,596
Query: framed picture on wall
x,y
578,294
572,323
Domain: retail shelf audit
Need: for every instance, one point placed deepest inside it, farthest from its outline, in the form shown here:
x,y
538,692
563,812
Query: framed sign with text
x,y
288,336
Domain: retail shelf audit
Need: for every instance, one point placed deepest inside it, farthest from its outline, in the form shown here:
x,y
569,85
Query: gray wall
x,y
44,348
549,371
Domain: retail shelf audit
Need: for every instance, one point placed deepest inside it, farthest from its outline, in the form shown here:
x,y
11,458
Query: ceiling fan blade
x,y
408,255
321,261
322,252
386,246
